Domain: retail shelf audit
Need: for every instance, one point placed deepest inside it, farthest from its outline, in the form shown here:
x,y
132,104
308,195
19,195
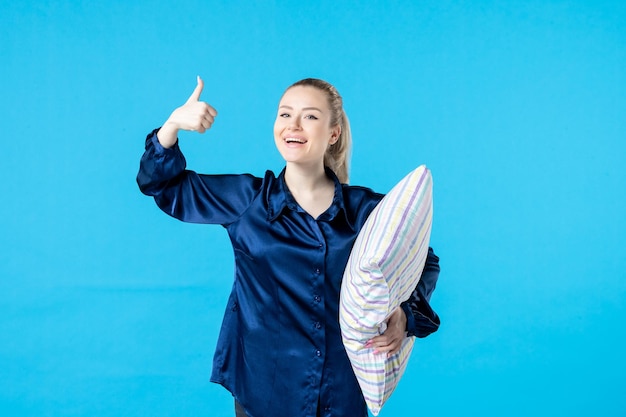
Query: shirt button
x,y
321,245
318,353
317,271
318,325
317,298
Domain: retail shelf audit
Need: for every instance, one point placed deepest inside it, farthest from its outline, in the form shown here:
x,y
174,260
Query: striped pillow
x,y
384,268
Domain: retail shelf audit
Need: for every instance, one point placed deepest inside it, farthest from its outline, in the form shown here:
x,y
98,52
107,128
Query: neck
x,y
311,188
306,179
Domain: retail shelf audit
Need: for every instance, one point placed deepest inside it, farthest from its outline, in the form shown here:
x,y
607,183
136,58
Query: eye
x,y
311,117
283,115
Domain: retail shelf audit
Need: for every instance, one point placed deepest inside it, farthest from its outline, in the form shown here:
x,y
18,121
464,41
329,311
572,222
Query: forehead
x,y
304,96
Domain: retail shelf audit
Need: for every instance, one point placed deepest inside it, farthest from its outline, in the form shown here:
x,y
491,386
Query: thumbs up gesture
x,y
194,115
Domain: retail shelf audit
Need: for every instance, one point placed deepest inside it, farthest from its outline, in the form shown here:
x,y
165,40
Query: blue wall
x,y
108,307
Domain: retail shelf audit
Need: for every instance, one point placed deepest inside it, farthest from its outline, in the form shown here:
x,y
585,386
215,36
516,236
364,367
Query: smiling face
x,y
302,130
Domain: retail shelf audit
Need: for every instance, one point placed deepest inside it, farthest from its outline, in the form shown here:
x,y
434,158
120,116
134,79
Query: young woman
x,y
280,351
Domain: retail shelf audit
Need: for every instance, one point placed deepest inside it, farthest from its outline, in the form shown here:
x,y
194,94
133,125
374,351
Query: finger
x,y
397,348
390,349
393,352
206,124
195,96
377,341
384,342
202,124
207,118
207,109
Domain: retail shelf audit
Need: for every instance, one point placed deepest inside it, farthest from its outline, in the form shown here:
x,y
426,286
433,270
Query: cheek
x,y
278,126
277,132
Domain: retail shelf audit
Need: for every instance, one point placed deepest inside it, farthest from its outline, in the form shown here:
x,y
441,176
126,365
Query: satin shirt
x,y
279,351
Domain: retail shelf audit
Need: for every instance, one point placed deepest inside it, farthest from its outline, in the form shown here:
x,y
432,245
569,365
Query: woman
x,y
280,351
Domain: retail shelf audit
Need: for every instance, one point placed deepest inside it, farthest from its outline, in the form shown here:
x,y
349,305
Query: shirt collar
x,y
280,198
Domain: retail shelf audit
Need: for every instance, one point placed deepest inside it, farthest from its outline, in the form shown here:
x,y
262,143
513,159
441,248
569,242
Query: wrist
x,y
168,134
410,319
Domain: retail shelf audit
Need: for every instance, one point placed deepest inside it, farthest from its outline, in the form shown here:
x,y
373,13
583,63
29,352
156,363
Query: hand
x,y
390,341
194,115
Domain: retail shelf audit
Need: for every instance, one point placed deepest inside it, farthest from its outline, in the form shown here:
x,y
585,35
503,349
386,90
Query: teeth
x,y
290,140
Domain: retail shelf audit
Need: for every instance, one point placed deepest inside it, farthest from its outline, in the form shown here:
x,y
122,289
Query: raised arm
x,y
185,194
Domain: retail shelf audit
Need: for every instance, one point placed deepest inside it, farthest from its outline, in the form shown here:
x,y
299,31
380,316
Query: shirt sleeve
x,y
421,318
189,196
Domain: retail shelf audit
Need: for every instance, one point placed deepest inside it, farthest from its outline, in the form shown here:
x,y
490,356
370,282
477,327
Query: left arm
x,y
414,317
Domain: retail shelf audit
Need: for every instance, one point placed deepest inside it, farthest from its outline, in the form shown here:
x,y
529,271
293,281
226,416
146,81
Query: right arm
x,y
184,194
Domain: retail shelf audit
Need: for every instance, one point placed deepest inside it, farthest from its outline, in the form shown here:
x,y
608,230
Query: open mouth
x,y
295,140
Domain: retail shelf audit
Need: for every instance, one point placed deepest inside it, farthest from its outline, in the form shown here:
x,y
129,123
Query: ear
x,y
334,135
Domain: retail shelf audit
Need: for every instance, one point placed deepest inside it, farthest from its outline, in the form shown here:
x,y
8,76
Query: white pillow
x,y
384,268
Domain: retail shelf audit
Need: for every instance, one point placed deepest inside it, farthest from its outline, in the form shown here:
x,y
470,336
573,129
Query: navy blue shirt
x,y
280,351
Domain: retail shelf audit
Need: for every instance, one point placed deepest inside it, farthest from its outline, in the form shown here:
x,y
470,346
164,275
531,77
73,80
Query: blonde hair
x,y
337,156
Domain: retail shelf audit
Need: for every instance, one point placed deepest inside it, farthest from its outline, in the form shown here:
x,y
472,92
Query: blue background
x,y
110,308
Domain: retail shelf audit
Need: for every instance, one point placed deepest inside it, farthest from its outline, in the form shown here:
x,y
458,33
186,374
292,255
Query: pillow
x,y
383,269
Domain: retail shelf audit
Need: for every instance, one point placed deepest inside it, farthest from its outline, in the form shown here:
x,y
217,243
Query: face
x,y
302,130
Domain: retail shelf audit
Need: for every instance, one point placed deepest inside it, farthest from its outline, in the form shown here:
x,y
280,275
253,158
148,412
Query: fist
x,y
194,115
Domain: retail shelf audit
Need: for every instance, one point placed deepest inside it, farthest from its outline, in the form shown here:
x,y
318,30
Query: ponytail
x,y
337,157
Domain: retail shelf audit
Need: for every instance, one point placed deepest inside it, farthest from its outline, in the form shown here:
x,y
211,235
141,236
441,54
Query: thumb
x,y
195,96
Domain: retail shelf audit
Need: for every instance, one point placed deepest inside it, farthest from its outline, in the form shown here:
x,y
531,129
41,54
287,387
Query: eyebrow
x,y
304,108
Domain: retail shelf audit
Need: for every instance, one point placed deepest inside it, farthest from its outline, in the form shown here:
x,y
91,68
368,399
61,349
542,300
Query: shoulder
x,y
240,189
269,176
360,193
234,182
245,183
359,202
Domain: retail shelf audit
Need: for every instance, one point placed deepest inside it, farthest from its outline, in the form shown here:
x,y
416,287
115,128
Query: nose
x,y
294,123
